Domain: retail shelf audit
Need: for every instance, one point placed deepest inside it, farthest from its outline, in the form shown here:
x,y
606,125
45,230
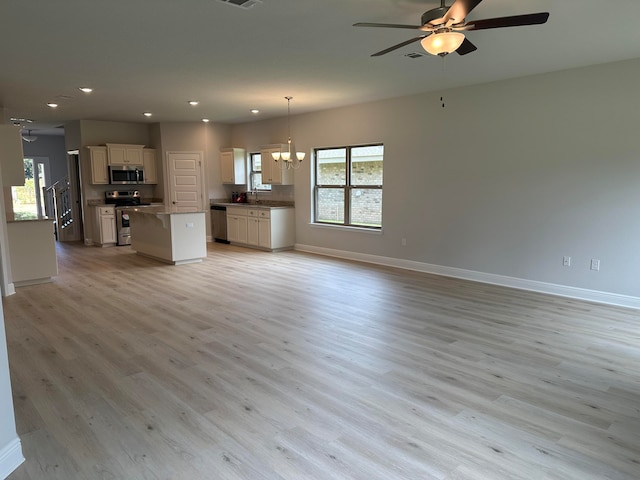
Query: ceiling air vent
x,y
414,55
241,3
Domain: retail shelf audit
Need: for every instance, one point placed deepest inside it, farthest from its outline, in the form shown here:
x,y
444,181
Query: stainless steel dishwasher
x,y
219,223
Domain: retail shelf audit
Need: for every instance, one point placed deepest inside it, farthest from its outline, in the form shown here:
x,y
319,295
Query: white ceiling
x,y
155,55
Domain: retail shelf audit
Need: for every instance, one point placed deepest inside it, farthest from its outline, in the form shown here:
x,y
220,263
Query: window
x,y
348,186
28,200
256,174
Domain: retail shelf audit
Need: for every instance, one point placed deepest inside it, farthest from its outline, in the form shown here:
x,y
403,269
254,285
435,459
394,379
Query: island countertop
x,y
156,210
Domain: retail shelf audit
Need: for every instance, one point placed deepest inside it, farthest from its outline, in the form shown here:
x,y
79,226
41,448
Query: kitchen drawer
x,y
106,210
237,211
260,212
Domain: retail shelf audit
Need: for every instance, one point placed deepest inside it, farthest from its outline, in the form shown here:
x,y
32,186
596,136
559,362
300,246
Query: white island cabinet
x,y
171,237
32,251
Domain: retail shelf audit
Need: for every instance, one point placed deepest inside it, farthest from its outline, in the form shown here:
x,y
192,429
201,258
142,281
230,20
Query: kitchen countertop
x,y
269,205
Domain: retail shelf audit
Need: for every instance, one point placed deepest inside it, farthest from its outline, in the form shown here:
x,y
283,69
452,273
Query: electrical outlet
x,y
566,261
595,264
404,242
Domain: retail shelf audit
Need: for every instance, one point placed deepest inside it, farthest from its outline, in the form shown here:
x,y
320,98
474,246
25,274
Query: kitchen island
x,y
32,251
171,237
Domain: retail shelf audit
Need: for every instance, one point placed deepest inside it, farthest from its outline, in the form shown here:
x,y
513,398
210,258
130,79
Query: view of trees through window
x,y
348,188
28,201
256,173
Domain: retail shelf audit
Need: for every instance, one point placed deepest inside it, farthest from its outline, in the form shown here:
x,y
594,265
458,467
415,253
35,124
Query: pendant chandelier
x,y
285,158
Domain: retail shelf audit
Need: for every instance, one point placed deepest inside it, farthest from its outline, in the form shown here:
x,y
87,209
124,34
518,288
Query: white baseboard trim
x,y
519,283
10,458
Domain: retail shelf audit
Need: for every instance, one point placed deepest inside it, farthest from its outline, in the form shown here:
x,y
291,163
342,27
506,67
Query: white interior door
x,y
185,181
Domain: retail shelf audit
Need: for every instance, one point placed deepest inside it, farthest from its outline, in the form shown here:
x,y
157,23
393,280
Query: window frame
x,y
252,173
347,188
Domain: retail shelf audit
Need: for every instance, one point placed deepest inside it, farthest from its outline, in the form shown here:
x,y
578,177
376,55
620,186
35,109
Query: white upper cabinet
x,y
98,159
233,166
124,154
272,173
150,167
11,156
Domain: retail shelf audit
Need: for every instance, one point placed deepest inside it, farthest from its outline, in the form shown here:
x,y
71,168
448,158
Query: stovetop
x,y
123,198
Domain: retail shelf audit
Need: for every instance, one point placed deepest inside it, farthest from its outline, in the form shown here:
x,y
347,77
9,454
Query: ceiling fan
x,y
442,27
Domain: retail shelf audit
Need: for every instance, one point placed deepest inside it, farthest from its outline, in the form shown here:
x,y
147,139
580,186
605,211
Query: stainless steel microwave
x,y
125,175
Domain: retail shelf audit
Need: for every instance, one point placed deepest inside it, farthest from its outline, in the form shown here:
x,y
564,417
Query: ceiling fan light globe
x,y
442,43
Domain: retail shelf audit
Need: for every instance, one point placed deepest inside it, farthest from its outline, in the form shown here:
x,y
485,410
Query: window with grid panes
x,y
348,186
256,174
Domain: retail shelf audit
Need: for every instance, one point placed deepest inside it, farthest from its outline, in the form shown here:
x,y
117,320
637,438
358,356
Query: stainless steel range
x,y
123,199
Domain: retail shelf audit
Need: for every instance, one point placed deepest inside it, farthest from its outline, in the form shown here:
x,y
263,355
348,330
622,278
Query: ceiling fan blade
x,y
399,45
386,25
515,21
466,47
459,10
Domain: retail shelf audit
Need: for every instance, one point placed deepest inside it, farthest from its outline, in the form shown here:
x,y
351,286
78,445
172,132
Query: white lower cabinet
x,y
106,223
259,228
264,233
267,228
237,225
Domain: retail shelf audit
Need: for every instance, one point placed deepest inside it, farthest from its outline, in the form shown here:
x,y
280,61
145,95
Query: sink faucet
x,y
255,193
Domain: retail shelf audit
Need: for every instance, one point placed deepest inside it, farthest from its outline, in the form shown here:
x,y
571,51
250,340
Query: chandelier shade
x,y
442,43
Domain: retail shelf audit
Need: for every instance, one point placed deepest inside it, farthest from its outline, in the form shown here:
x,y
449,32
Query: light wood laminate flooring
x,y
274,366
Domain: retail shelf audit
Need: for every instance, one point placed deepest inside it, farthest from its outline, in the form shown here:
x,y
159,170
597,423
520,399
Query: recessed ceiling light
x,y
86,89
193,103
205,120
255,111
147,114
52,105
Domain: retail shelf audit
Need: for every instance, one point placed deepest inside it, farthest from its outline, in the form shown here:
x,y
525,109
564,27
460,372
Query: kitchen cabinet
x,y
237,225
124,154
106,221
98,159
32,251
266,228
149,165
11,156
259,228
171,237
272,173
233,166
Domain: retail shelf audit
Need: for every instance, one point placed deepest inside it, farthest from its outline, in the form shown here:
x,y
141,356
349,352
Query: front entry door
x,y
185,181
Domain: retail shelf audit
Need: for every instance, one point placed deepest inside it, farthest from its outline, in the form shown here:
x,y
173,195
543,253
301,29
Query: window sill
x,y
347,228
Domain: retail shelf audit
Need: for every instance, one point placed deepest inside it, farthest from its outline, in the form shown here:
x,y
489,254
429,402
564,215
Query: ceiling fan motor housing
x,y
435,14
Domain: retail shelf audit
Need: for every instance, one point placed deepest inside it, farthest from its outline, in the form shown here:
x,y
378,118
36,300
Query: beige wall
x,y
505,180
